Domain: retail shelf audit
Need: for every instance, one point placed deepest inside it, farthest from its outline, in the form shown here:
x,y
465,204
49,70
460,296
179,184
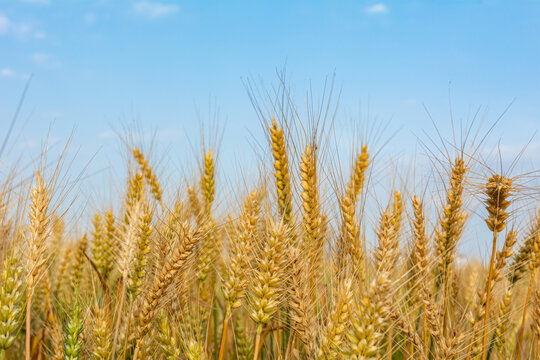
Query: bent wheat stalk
x,y
173,268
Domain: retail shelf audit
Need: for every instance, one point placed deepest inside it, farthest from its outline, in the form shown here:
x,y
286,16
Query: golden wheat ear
x,y
39,232
498,190
266,290
11,301
300,301
154,294
101,334
451,222
370,315
281,171
166,338
350,251
333,335
238,267
149,175
533,264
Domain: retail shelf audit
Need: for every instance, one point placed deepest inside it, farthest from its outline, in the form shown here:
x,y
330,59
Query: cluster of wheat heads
x,y
283,275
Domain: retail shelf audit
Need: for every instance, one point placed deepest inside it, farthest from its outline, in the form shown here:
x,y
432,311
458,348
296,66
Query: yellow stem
x,y
257,340
488,295
222,348
27,344
522,329
389,345
117,325
411,350
424,326
136,352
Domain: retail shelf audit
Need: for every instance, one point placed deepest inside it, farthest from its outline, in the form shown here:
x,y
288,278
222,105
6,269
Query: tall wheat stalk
x,y
39,231
498,190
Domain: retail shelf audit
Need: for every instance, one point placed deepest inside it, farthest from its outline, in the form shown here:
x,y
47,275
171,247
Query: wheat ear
x,y
134,197
11,301
521,262
142,250
311,209
349,244
281,171
502,321
167,340
78,263
208,186
149,175
300,301
102,335
535,326
534,263
237,270
372,310
448,232
173,268
40,198
244,345
498,189
266,289
72,332
450,223
333,335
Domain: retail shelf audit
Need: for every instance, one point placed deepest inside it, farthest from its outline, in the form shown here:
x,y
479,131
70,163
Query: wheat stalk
x,y
498,189
266,289
39,231
163,280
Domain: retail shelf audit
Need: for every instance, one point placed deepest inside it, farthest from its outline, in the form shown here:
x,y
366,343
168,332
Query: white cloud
x,y
22,30
4,24
154,10
89,18
379,8
19,30
45,60
7,72
39,35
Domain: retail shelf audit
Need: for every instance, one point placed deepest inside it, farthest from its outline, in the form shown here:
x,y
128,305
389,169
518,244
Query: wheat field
x,y
297,268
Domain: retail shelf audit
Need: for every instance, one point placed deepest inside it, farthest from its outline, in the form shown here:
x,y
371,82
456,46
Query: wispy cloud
x,y
45,60
8,72
4,24
40,35
378,8
90,18
20,30
154,10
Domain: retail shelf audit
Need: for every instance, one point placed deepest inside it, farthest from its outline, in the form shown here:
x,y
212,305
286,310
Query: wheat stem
x,y
490,277
223,345
524,315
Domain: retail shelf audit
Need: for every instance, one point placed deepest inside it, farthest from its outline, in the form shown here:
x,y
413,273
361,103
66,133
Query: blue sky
x,y
98,65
